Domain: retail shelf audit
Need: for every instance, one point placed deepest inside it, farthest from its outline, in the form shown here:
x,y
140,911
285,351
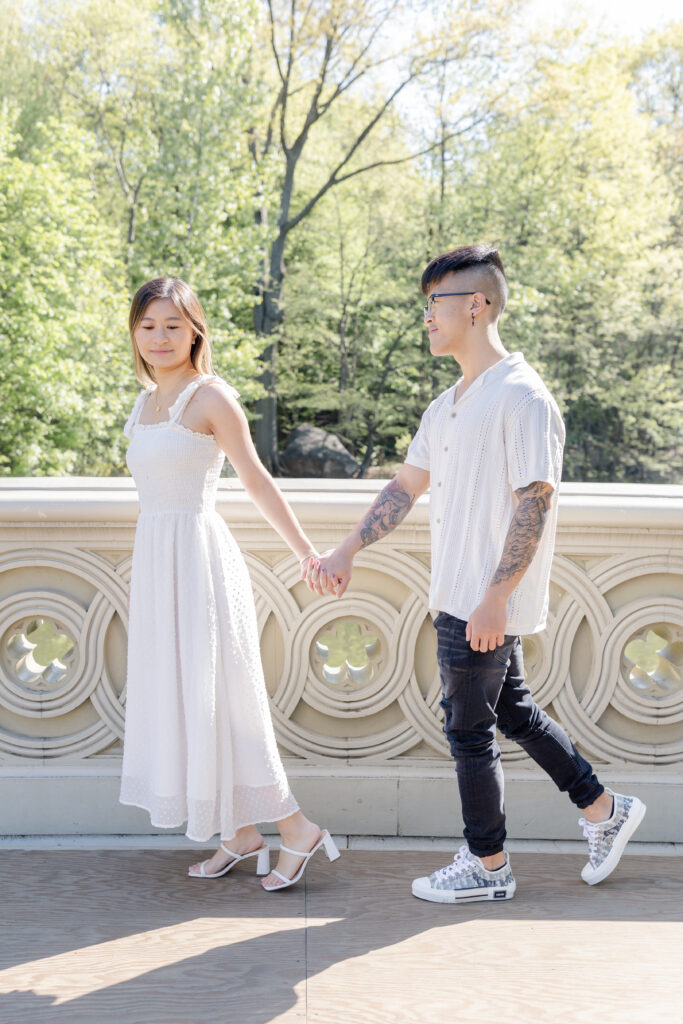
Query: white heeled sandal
x,y
331,850
262,863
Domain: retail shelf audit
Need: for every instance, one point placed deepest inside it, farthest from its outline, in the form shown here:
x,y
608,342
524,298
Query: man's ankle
x,y
495,861
601,809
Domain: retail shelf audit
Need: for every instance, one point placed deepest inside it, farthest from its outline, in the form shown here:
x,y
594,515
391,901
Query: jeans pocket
x,y
502,653
451,646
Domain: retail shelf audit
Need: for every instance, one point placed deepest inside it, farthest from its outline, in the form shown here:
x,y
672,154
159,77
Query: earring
x,y
473,319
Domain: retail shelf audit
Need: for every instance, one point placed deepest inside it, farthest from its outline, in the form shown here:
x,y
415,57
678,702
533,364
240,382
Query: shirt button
x,y
438,520
453,414
439,484
446,448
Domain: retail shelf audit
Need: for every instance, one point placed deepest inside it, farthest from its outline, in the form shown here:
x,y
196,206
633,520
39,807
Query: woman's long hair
x,y
189,306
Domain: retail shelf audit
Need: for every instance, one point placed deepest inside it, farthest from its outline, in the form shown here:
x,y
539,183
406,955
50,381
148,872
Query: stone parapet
x,y
353,683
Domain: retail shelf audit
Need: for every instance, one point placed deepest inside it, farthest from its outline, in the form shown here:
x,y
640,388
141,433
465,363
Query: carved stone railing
x,y
353,683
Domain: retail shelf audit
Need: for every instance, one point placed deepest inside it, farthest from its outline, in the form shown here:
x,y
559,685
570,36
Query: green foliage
x,y
353,354
139,167
143,138
158,86
569,182
61,314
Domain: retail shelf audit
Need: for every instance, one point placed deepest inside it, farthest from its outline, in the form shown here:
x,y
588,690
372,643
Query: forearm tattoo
x,y
524,532
390,507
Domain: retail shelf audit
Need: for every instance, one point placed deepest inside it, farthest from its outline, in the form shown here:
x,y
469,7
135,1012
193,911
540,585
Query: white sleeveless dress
x,y
199,743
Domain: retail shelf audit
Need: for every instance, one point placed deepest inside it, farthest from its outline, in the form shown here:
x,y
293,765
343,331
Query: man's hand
x,y
486,625
331,573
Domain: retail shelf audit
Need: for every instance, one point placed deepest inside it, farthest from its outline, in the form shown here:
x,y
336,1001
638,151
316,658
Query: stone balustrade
x,y
353,683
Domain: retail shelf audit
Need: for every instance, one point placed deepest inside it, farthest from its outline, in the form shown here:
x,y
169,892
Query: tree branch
x,y
335,179
121,174
272,41
350,78
313,111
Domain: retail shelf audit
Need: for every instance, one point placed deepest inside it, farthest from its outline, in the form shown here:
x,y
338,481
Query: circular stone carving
x,y
360,691
38,655
652,662
615,692
347,655
82,675
77,682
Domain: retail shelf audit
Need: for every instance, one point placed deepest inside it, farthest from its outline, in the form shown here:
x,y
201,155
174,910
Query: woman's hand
x,y
331,573
306,562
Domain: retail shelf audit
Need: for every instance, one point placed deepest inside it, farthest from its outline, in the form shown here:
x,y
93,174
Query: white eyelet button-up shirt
x,y
508,433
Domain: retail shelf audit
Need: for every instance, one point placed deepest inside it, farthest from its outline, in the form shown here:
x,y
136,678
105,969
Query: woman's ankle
x,y
244,840
297,827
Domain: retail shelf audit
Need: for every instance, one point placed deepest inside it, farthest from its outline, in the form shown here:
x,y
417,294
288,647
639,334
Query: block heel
x,y
262,862
325,841
330,846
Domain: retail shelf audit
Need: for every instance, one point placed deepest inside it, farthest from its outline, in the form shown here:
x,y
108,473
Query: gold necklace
x,y
156,403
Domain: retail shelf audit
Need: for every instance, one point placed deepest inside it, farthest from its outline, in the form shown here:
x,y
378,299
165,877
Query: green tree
x,y
319,52
569,181
61,313
261,151
655,66
352,350
159,85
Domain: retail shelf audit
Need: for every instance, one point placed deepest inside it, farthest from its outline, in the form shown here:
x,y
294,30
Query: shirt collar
x,y
512,359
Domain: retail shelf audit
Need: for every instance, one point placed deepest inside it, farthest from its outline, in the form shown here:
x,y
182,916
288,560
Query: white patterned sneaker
x,y
607,839
466,880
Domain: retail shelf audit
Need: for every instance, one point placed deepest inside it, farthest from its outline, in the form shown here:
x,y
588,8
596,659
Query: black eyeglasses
x,y
429,308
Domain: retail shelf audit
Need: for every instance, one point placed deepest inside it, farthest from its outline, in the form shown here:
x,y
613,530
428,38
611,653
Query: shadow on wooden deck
x,y
126,937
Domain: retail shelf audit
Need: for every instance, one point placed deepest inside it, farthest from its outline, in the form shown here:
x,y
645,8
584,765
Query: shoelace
x,y
591,831
461,865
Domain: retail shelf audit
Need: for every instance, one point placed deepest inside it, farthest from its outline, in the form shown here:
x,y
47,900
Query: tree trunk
x,y
268,318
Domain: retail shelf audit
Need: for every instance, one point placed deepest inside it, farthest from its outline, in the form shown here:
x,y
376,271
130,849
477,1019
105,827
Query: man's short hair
x,y
484,263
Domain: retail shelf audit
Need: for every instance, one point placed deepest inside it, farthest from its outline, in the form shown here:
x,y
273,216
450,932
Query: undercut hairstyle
x,y
188,306
485,265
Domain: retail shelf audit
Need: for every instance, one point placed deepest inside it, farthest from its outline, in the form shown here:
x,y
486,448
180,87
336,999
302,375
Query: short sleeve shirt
x,y
504,433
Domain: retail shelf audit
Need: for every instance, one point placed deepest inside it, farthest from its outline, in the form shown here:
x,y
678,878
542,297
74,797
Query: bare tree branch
x,y
350,78
272,41
412,156
118,165
314,112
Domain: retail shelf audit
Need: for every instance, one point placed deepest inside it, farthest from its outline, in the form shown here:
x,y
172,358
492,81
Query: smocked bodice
x,y
175,469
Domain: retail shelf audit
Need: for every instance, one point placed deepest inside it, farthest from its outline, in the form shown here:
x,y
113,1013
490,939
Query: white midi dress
x,y
199,744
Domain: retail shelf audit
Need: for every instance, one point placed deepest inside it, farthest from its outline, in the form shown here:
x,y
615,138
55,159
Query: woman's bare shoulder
x,y
218,385
218,393
217,400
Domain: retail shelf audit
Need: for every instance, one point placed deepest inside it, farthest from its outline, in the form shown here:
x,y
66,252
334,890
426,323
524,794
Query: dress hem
x,y
206,839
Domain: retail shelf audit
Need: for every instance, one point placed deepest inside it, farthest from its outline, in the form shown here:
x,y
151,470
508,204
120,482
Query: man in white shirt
x,y
491,446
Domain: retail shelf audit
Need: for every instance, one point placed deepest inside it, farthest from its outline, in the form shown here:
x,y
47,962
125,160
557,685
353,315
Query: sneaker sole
x,y
611,861
466,895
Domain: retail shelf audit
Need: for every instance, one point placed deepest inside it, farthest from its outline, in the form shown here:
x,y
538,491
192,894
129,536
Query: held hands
x,y
329,573
486,625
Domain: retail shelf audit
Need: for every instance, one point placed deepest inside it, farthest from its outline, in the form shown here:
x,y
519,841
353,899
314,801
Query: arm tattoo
x,y
524,532
390,507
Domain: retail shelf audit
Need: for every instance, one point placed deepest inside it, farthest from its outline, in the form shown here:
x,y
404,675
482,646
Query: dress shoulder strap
x,y
135,414
175,413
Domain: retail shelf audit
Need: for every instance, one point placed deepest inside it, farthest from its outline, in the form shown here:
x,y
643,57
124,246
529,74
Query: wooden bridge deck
x,y
123,936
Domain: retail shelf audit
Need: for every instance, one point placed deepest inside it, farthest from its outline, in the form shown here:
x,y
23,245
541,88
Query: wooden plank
x,y
125,937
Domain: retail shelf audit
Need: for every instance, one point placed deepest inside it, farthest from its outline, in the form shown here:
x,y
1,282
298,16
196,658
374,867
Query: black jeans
x,y
485,690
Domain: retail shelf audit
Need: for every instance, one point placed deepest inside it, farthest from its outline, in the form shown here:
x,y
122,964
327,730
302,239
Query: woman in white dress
x,y
199,743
